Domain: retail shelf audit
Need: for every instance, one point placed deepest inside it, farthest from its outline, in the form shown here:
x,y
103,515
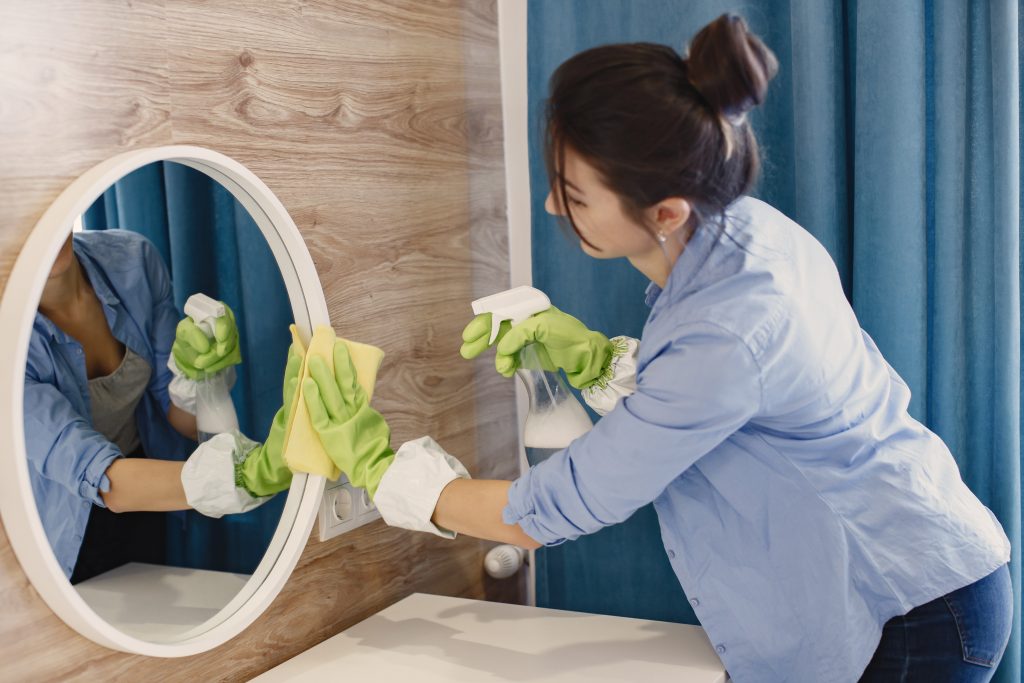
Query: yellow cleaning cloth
x,y
303,451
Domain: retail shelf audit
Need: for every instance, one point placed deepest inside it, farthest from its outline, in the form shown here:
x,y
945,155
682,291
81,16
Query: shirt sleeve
x,y
62,446
692,395
164,324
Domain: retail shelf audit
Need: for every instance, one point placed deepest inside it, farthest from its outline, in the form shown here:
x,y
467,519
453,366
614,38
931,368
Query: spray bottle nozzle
x,y
204,310
516,304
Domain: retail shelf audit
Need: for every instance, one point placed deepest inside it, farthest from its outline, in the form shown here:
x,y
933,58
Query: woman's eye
x,y
576,202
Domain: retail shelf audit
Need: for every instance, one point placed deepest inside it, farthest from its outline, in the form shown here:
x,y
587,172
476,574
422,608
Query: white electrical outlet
x,y
365,506
343,508
343,505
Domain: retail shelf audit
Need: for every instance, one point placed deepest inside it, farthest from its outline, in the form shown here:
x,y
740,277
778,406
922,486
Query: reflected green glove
x,y
264,471
196,355
354,435
561,341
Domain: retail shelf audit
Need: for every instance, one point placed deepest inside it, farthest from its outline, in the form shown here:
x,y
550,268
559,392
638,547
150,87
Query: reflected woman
x,y
110,417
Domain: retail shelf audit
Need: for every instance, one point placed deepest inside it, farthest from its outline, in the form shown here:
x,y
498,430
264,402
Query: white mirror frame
x,y
17,313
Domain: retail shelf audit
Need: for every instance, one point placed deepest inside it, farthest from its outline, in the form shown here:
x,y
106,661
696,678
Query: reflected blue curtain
x,y
892,133
212,245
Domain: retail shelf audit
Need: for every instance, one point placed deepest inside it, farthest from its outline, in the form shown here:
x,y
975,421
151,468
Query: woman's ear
x,y
669,215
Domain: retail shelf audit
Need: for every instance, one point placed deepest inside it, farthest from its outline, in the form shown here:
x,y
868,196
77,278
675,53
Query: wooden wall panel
x,y
378,125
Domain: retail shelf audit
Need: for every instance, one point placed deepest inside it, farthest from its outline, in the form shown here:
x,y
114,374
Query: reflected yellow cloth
x,y
303,451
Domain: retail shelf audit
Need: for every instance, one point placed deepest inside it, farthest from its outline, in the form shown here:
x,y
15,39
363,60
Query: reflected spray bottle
x,y
215,412
555,417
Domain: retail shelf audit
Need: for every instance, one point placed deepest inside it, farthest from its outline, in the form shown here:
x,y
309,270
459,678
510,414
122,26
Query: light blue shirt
x,y
68,458
800,505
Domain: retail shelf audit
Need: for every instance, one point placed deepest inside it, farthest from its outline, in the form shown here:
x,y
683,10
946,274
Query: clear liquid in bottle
x,y
555,417
215,412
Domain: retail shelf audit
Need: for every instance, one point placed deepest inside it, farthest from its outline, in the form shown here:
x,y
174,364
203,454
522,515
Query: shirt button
x,y
671,554
695,602
720,649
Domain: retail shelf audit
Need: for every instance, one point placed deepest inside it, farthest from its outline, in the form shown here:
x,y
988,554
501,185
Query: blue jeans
x,y
958,637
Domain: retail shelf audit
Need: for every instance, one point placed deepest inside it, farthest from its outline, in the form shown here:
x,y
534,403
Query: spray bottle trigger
x,y
516,305
204,310
496,322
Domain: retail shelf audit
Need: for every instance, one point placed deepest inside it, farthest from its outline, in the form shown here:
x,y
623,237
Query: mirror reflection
x,y
154,400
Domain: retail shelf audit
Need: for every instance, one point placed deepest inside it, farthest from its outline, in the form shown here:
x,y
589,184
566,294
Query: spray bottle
x,y
555,417
215,413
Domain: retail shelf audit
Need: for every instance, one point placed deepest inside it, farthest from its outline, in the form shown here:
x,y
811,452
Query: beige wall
x,y
378,125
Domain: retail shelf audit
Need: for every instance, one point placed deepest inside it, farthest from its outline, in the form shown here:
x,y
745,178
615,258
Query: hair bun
x,y
729,66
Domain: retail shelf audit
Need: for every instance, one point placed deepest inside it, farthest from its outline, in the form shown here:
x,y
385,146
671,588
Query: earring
x,y
662,237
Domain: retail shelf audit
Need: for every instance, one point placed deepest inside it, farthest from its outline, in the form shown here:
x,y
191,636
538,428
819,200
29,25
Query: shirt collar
x,y
651,294
99,285
96,278
45,326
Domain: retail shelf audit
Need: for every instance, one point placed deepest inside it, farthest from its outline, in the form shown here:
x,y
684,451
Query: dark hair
x,y
655,124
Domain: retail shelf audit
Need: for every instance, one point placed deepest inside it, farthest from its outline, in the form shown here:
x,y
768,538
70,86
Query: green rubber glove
x,y
561,341
197,356
264,471
477,334
355,436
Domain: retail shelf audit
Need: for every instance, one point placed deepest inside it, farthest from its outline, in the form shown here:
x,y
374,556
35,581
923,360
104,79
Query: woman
x,y
110,411
820,532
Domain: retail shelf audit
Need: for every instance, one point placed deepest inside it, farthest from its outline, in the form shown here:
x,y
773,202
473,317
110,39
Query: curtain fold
x,y
892,134
211,245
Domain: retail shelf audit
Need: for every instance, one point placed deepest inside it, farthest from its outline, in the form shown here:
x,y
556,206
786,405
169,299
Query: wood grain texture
x,y
378,125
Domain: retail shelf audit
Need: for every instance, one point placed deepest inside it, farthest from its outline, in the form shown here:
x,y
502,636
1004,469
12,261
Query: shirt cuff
x,y
520,510
619,379
411,486
181,391
95,480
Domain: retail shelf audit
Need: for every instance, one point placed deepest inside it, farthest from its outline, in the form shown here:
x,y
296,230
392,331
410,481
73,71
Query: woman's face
x,y
598,213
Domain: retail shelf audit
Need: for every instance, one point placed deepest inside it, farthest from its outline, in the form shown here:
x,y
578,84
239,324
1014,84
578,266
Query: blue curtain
x,y
212,245
892,133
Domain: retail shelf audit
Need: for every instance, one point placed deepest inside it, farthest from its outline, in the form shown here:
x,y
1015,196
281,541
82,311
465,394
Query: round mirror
x,y
101,418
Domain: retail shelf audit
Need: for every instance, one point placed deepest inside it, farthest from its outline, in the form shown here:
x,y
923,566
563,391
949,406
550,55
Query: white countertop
x,y
429,638
159,603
